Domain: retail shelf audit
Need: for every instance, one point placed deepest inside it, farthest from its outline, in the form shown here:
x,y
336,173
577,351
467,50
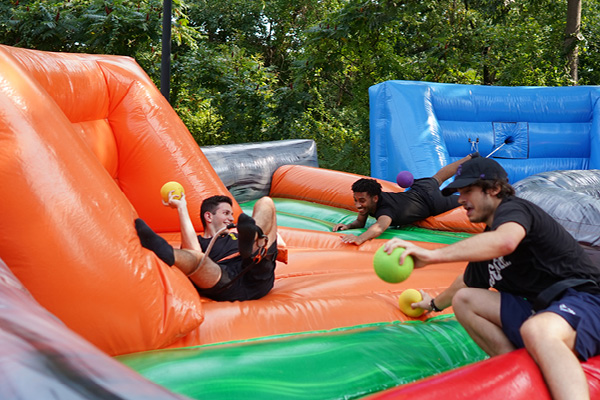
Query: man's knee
x,y
483,302
265,215
530,330
264,211
462,299
461,303
544,327
264,203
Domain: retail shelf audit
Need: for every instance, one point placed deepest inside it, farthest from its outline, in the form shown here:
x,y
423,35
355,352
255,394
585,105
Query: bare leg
x,y
448,171
550,340
265,215
478,311
205,276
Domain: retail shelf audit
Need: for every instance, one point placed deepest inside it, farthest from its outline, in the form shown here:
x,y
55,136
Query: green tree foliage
x,y
255,46
254,70
93,26
589,50
223,95
272,29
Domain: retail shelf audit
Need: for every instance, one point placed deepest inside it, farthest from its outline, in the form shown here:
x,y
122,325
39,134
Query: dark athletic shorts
x,y
255,283
580,309
429,189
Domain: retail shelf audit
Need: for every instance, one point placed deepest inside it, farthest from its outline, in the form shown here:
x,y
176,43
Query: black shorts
x,y
429,189
241,279
580,309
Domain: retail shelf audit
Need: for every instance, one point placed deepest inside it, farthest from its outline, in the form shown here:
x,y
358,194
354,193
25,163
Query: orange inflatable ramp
x,y
87,142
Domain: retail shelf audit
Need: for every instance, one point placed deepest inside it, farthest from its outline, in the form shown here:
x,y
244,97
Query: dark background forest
x,y
257,70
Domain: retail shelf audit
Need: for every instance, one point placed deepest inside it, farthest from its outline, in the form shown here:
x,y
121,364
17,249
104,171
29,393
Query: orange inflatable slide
x,y
86,143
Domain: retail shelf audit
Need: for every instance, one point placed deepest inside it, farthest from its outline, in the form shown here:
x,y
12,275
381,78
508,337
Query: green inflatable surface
x,y
342,364
318,217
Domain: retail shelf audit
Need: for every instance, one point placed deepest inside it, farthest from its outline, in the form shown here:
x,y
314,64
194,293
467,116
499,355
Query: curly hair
x,y
370,186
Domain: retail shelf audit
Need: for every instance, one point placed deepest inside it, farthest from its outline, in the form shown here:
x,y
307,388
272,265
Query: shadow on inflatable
x,y
87,142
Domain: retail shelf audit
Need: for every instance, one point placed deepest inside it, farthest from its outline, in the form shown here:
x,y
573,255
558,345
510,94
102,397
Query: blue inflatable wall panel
x,y
422,126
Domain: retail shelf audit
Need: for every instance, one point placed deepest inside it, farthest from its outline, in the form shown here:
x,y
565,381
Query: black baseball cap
x,y
474,169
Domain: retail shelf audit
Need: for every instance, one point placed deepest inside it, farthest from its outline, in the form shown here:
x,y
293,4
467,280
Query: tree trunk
x,y
573,36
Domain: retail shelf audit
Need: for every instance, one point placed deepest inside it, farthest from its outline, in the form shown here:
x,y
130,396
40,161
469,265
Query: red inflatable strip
x,y
513,376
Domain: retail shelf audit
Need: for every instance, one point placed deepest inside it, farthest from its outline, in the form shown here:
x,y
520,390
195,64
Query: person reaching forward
x,y
423,200
547,293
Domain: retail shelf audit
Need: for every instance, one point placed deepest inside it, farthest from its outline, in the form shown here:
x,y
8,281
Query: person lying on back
x,y
222,265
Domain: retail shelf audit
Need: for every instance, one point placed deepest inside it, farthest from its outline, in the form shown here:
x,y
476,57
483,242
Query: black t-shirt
x,y
257,279
423,200
546,255
224,246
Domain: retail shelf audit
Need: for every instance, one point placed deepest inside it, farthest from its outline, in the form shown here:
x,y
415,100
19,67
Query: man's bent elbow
x,y
507,246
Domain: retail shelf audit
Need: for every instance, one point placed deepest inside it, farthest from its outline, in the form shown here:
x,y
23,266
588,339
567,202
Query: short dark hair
x,y
370,186
506,189
211,204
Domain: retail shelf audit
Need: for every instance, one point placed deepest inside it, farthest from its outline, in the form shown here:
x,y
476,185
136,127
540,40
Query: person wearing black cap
x,y
547,296
423,200
222,265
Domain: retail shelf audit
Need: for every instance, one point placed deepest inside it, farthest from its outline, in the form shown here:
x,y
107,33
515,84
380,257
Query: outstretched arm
x,y
358,223
448,171
444,299
483,246
189,240
374,230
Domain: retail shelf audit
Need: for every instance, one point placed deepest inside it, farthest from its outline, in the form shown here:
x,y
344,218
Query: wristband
x,y
434,307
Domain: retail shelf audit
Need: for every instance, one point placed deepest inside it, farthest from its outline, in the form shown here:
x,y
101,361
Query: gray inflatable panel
x,y
43,359
247,169
572,197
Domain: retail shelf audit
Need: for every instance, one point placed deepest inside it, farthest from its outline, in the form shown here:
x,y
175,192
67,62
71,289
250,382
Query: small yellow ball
x,y
408,297
171,186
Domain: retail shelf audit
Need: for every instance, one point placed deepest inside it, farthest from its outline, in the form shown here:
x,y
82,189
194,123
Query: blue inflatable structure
x,y
422,126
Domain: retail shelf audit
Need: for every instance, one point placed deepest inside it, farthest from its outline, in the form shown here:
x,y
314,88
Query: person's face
x,y
222,217
480,205
365,203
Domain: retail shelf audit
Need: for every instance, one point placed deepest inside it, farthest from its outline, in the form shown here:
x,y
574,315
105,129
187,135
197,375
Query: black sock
x,y
247,230
151,241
